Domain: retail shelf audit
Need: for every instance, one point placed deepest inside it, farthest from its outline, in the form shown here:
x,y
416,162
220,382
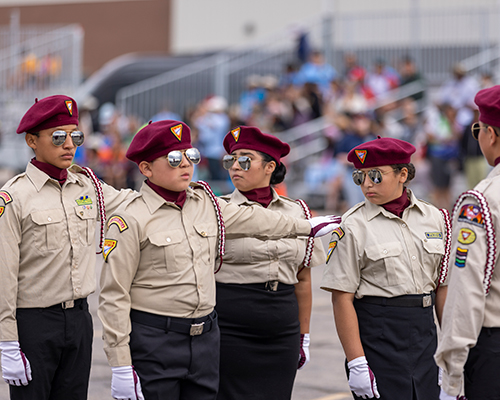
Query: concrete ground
x,y
322,379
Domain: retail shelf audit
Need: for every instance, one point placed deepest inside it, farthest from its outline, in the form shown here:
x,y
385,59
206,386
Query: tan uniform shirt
x,y
250,260
467,308
47,246
161,259
377,253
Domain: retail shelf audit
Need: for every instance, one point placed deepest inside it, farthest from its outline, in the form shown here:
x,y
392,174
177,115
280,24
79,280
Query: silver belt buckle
x,y
196,329
272,286
68,304
427,301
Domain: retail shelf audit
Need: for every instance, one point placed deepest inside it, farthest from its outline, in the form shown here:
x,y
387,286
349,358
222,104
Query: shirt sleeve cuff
x,y
118,356
8,331
452,385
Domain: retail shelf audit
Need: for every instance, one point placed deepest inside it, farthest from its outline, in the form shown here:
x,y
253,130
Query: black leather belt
x,y
270,286
68,304
188,326
409,300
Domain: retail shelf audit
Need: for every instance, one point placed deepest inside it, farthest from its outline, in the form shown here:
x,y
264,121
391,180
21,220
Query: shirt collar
x,y
40,178
372,210
238,198
154,201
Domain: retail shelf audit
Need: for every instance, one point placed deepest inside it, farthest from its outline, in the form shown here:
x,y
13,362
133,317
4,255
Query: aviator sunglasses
x,y
375,176
243,161
475,128
59,137
175,157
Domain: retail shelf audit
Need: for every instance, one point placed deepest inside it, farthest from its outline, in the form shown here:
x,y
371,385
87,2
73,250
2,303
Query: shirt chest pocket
x,y
86,222
434,251
49,229
167,252
206,242
387,263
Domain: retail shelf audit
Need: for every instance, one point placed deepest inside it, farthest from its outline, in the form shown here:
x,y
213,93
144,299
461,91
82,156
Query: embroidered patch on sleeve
x,y
466,236
339,232
84,200
2,209
119,222
331,246
7,198
108,247
472,214
433,235
461,257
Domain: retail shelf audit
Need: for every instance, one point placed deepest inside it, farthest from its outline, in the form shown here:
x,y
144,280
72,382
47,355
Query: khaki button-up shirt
x,y
467,308
47,246
161,258
251,260
376,253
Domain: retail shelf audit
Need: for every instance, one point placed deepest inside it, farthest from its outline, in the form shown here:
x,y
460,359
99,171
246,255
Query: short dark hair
x,y
409,167
279,172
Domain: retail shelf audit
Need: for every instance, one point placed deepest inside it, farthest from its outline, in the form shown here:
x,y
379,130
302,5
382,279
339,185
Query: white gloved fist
x,y
125,384
445,396
321,226
304,350
361,379
16,369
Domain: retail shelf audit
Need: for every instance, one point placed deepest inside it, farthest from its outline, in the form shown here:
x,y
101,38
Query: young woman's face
x,y
162,174
390,187
47,152
257,176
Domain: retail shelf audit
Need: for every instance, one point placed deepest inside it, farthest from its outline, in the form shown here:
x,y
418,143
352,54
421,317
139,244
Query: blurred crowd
x,y
357,103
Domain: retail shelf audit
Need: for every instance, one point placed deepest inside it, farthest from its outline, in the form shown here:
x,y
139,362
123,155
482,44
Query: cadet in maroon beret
x,y
259,350
157,285
469,346
384,267
48,217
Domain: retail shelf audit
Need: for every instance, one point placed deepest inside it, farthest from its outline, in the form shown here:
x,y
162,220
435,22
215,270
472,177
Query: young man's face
x,y
47,152
176,179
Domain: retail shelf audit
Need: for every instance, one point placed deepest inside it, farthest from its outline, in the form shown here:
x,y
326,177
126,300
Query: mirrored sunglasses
x,y
243,161
475,128
175,157
59,137
375,176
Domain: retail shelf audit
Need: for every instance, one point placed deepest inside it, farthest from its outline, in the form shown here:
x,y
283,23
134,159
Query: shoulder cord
x,y
490,234
100,202
445,260
310,241
220,221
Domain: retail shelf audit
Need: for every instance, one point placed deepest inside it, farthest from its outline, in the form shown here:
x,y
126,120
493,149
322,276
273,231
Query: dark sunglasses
x,y
243,161
175,157
59,137
475,128
375,176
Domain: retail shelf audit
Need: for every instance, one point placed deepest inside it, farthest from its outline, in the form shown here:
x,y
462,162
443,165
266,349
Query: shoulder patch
x,y
7,198
2,209
339,232
334,241
108,247
472,214
119,222
331,246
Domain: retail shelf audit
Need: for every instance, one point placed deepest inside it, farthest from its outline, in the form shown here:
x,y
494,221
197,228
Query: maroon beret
x,y
158,139
49,112
249,137
381,151
488,102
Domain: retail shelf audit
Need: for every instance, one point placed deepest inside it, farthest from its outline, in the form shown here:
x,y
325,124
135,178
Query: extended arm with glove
x,y
16,369
321,226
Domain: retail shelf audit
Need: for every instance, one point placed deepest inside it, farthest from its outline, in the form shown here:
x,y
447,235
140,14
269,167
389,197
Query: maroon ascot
x,y
251,138
52,111
157,139
381,151
488,102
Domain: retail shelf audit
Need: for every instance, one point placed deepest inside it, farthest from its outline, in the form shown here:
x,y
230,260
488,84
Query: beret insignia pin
x,y
177,131
361,154
69,106
236,134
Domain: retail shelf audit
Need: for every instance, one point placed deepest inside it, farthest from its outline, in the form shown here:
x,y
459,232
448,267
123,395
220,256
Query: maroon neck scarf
x,y
54,172
497,161
263,196
179,198
397,206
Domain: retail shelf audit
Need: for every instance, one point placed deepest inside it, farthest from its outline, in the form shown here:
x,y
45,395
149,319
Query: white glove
x,y
361,379
445,396
321,226
304,350
16,369
125,384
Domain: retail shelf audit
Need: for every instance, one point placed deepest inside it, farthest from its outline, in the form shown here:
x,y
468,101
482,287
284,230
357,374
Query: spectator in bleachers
x,y
251,97
381,79
317,71
409,74
353,71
